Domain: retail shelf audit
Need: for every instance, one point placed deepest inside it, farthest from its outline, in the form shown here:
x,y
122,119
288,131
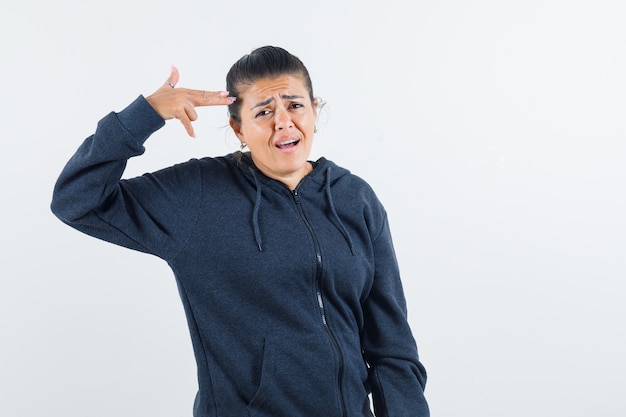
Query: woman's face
x,y
277,124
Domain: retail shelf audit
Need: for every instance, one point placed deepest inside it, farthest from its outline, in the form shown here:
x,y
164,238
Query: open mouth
x,y
288,144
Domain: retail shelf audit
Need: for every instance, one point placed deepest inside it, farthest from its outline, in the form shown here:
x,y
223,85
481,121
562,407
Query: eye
x,y
263,113
296,105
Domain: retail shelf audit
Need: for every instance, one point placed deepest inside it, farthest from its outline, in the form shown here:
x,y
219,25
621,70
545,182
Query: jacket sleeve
x,y
396,376
146,213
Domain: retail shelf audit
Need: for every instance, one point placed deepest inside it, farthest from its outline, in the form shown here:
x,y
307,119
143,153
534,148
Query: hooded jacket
x,y
293,297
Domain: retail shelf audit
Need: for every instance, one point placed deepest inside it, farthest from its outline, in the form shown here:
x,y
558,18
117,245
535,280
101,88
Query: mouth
x,y
289,143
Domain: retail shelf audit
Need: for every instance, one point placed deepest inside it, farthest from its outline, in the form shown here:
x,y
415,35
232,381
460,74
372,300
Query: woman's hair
x,y
262,63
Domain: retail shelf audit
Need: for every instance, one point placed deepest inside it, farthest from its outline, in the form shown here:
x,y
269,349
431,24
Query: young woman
x,y
285,266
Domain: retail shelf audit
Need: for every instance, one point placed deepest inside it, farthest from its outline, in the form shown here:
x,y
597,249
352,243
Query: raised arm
x,y
143,213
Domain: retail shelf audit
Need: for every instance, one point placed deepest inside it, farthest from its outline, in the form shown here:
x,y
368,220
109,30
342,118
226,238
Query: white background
x,y
493,131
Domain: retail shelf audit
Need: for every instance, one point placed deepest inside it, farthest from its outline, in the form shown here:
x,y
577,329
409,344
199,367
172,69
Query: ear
x,y
236,128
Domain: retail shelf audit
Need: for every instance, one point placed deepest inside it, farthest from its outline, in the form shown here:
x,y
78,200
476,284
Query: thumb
x,y
172,80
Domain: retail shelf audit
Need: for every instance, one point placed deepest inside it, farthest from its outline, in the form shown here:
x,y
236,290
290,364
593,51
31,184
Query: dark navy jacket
x,y
293,298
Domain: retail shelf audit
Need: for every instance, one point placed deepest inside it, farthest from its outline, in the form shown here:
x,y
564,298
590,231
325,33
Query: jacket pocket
x,y
299,377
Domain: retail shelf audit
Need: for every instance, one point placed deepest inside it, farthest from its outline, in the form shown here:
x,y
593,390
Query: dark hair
x,y
264,62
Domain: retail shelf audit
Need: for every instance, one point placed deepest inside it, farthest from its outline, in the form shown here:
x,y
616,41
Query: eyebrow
x,y
269,100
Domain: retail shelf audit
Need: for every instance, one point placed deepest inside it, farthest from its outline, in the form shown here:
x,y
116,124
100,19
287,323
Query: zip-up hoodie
x,y
293,297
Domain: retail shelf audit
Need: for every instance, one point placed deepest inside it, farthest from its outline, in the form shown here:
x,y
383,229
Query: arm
x,y
396,376
89,194
144,213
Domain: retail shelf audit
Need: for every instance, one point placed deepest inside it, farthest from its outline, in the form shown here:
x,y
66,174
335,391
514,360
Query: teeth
x,y
287,142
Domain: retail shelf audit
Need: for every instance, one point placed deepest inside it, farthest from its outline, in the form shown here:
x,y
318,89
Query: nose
x,y
282,119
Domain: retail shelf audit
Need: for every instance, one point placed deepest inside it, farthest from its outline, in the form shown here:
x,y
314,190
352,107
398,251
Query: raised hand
x,y
180,103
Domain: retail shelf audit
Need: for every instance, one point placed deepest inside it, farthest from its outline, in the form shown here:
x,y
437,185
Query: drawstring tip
x,y
260,248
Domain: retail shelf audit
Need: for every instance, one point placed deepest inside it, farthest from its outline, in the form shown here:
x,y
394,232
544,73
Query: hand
x,y
180,103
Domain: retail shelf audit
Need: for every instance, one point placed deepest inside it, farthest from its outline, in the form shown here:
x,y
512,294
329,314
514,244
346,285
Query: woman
x,y
285,267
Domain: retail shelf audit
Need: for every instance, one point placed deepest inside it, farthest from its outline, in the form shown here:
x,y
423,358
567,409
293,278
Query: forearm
x,y
94,171
397,377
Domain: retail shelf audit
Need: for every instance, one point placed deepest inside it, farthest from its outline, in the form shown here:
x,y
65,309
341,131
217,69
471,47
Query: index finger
x,y
211,98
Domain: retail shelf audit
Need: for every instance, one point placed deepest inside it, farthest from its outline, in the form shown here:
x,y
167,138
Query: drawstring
x,y
255,211
339,224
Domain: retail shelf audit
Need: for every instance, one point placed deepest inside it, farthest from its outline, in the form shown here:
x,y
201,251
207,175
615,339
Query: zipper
x,y
320,298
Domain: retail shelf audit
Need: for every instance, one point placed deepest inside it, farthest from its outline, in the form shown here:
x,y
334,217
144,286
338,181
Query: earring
x,y
243,145
320,105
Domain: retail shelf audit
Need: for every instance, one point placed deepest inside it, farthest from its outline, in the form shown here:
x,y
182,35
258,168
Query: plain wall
x,y
493,131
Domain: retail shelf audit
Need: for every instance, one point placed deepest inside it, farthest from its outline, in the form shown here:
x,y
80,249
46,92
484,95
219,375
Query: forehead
x,y
267,87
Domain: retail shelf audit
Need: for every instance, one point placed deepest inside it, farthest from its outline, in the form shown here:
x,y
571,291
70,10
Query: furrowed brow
x,y
269,100
263,103
288,97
